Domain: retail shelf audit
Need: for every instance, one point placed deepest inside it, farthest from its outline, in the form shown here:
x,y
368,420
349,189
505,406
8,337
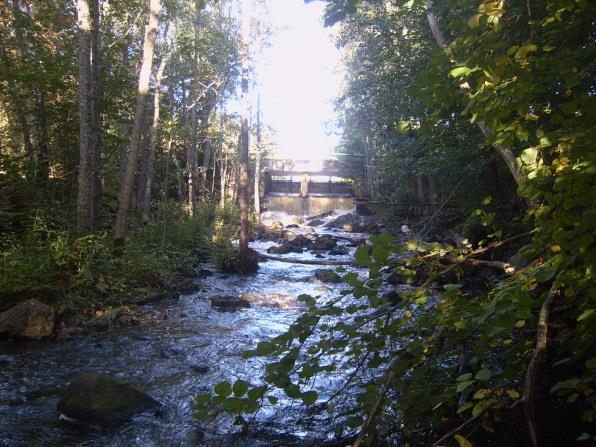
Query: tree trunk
x,y
85,181
145,189
165,191
207,149
257,189
243,184
42,152
96,93
432,192
223,166
126,192
191,156
505,153
421,194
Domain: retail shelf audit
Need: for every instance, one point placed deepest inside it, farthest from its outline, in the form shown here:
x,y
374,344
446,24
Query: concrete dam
x,y
307,194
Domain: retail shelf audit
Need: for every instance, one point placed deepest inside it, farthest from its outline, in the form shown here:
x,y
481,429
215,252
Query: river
x,y
184,349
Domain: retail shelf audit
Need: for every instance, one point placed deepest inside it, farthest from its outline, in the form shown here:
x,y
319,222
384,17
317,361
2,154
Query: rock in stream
x,y
101,400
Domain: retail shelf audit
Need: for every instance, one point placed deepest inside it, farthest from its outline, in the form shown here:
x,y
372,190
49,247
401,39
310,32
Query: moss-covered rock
x,y
29,319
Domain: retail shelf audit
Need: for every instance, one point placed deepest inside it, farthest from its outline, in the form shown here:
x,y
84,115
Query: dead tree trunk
x,y
126,192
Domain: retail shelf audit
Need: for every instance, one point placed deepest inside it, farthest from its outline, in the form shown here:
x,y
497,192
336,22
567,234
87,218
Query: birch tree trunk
x,y
257,189
126,192
504,152
145,189
191,156
243,259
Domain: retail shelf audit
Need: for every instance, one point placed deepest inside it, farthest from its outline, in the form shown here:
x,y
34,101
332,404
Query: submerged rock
x,y
340,221
103,400
327,276
324,242
339,251
228,303
316,223
296,245
29,319
320,216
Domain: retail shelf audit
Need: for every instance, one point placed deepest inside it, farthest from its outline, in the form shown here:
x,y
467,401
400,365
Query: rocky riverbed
x,y
183,347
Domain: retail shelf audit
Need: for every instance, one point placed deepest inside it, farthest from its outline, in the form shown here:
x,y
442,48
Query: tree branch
x,y
531,373
375,409
506,154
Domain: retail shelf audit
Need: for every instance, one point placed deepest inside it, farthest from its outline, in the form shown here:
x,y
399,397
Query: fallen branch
x,y
506,267
305,261
541,341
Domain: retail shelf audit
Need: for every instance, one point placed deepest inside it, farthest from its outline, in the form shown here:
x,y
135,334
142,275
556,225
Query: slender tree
x,y
144,194
191,155
243,180
89,130
257,189
126,192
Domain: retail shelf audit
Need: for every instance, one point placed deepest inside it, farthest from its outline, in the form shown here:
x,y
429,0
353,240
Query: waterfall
x,y
308,206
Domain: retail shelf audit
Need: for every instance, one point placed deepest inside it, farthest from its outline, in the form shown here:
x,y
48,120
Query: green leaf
x,y
463,385
265,348
482,405
464,377
233,405
463,442
529,156
272,400
223,389
474,21
465,407
240,388
292,391
309,397
202,399
565,385
459,71
483,375
585,314
257,392
362,257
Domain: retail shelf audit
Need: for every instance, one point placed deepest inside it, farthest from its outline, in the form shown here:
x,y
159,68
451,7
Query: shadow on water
x,y
185,351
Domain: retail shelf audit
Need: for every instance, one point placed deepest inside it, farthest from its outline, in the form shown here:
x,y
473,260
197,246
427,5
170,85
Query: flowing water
x,y
185,350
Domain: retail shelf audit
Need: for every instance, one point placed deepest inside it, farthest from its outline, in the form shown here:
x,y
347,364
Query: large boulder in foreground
x,y
101,400
29,319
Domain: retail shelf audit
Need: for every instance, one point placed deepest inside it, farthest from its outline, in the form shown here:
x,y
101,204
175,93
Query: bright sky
x,y
299,77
